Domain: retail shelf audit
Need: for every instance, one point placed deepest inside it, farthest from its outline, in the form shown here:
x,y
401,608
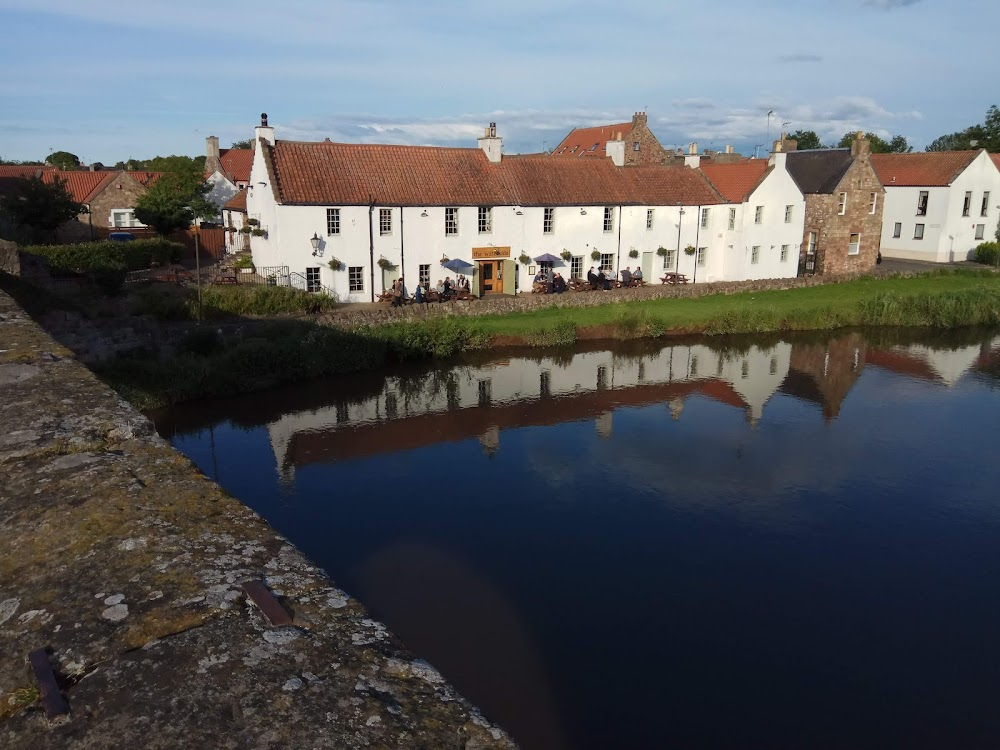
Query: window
x,y
635,145
918,231
594,147
356,278
451,221
922,203
649,218
854,247
732,218
986,204
607,261
485,392
332,221
758,215
545,383
967,204
755,254
811,247
425,274
872,203
547,220
784,253
576,267
788,214
312,280
124,218
385,221
602,378
773,366
843,204
694,367
897,229
670,259
609,219
702,256
980,231
485,219
745,369
704,218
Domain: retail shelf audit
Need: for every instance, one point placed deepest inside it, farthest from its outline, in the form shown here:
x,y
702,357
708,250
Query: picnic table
x,y
673,278
225,276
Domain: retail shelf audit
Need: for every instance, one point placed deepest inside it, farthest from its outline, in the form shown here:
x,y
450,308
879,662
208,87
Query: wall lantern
x,y
583,212
314,241
424,213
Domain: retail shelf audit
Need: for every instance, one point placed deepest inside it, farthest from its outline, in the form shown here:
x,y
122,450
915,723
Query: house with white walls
x,y
939,205
227,171
765,218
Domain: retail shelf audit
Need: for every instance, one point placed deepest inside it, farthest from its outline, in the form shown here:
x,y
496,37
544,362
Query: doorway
x,y
647,266
491,276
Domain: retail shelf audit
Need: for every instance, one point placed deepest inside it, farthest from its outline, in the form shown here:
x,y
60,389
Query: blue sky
x,y
109,80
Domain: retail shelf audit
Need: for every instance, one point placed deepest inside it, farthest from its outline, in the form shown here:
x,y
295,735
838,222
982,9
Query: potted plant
x,y
690,250
335,265
595,255
253,222
565,254
384,263
245,230
244,263
524,258
662,251
256,232
633,253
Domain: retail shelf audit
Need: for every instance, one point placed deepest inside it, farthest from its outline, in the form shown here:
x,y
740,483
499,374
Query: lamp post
x,y
770,114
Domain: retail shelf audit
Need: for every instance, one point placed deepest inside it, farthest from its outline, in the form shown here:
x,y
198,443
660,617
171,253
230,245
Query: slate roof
x,y
582,141
736,181
818,170
329,173
236,162
930,169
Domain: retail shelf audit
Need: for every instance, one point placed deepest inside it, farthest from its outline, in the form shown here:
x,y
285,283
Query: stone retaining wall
x,y
126,562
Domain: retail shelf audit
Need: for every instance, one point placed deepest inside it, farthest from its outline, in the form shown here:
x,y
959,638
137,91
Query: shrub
x,y
988,253
244,261
90,257
262,300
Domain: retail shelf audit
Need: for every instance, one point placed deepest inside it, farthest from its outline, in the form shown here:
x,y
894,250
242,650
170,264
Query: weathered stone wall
x,y
123,192
10,258
126,562
650,151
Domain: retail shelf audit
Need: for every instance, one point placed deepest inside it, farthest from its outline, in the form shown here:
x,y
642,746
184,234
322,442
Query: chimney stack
x,y
860,146
616,151
264,130
692,149
213,163
491,145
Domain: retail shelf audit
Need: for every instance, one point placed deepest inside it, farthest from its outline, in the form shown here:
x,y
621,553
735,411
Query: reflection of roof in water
x,y
903,363
348,441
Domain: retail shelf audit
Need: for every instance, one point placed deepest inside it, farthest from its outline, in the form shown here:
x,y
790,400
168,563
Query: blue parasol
x,y
458,266
548,258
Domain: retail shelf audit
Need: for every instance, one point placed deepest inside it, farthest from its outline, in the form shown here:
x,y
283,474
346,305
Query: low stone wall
x,y
125,561
372,314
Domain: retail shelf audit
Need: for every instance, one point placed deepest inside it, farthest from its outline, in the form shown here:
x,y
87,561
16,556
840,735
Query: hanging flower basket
x,y
258,232
253,222
384,263
633,253
244,230
525,259
335,265
565,255
596,255
690,250
662,252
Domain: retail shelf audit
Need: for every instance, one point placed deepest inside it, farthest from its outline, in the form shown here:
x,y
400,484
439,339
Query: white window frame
x,y
576,267
811,241
450,221
704,218
755,255
384,222
649,217
784,253
843,205
485,219
789,210
923,198
607,261
732,219
130,220
873,204
702,257
980,231
758,215
356,278
609,219
897,230
670,259
918,231
424,274
332,222
967,204
854,248
984,211
313,279
548,220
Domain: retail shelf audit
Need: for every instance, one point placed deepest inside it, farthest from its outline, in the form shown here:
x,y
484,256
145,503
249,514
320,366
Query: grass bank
x,y
288,351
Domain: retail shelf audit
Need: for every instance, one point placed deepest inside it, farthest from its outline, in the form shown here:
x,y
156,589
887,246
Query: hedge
x,y
89,257
988,253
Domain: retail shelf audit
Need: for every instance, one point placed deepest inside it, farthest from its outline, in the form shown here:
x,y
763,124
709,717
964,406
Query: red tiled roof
x,y
996,159
82,186
23,170
238,202
145,178
736,181
236,162
353,174
930,169
581,141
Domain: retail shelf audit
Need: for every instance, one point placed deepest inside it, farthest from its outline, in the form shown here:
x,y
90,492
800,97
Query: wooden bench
x,y
673,278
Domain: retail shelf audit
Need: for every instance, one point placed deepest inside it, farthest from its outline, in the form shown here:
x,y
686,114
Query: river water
x,y
746,543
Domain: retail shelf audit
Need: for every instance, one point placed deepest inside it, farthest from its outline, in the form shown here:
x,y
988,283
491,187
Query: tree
x,y
41,205
21,162
174,201
64,160
895,145
985,135
807,140
246,143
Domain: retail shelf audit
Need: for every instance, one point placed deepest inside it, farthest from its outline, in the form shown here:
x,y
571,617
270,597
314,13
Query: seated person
x,y
602,280
539,277
448,289
559,284
439,288
592,278
418,293
627,277
637,276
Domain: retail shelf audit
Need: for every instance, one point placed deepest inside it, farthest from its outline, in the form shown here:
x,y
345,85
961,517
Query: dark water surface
x,y
747,544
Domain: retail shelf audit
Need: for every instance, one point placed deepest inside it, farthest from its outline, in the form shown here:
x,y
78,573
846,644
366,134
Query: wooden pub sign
x,y
488,253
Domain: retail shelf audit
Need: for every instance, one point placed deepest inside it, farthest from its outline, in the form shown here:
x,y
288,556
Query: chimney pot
x,y
693,149
263,119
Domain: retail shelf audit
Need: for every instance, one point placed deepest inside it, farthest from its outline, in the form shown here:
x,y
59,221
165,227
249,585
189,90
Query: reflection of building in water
x,y
940,365
824,373
605,425
480,401
988,362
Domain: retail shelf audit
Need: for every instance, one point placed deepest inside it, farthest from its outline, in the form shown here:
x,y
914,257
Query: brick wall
x,y
834,231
